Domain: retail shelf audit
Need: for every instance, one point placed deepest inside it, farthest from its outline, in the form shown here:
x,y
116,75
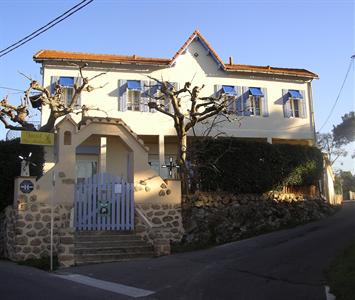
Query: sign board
x,y
37,138
26,186
118,188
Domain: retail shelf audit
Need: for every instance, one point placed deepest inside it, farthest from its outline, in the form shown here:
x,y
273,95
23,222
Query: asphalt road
x,y
286,264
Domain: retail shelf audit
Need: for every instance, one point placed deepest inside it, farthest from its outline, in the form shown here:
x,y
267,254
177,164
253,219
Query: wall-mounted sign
x,y
37,138
26,186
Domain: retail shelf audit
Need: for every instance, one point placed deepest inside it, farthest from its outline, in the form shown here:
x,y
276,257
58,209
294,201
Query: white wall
x,y
200,70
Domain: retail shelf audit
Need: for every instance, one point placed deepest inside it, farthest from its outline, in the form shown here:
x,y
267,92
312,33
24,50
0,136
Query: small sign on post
x,y
26,186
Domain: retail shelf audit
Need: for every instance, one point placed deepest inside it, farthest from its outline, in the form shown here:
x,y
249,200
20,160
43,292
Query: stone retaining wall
x,y
165,222
214,218
26,231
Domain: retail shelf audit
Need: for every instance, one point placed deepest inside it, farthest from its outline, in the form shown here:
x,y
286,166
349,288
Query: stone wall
x,y
214,218
27,229
163,221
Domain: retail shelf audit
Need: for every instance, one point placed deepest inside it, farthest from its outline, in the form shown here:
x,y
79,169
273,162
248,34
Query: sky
x,y
317,35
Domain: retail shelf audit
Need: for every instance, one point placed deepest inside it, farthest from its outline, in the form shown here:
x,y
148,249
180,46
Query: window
x,y
255,97
253,102
133,95
86,168
294,104
67,84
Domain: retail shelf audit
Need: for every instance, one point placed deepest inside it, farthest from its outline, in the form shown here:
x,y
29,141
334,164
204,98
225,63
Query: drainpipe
x,y
311,111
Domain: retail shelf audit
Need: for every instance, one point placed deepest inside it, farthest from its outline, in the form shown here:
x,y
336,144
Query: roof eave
x,y
310,76
41,60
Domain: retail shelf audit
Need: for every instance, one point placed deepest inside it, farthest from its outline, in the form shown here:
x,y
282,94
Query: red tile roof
x,y
43,55
80,56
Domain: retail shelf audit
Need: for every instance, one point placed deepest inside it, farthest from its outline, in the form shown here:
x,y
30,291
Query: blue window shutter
x,y
54,81
265,109
231,103
217,89
122,88
286,104
246,101
304,105
238,101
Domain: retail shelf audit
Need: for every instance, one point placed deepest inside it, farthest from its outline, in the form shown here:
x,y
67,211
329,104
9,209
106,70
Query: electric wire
x,y
46,27
338,97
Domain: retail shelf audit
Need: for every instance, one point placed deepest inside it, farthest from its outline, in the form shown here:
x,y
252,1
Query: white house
x,y
273,104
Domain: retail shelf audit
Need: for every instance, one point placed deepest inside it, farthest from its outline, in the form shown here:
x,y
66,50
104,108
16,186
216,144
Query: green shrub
x,y
236,166
10,166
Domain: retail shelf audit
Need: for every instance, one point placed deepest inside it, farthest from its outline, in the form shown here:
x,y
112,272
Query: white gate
x,y
104,202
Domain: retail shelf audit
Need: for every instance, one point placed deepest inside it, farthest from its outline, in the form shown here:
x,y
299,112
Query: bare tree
x,y
16,117
327,143
200,109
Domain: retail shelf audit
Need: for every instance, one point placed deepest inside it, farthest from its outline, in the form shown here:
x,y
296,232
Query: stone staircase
x,y
109,246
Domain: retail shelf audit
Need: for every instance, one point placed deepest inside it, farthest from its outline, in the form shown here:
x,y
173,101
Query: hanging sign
x,y
37,138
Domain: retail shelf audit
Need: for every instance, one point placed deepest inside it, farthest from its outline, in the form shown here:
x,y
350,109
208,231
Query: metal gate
x,y
104,202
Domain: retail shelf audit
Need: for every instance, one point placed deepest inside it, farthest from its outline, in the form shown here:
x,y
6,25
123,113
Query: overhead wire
x,y
338,97
46,27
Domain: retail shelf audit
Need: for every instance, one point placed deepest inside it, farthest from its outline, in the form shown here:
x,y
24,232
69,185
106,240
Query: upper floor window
x,y
133,95
231,93
253,102
67,86
294,104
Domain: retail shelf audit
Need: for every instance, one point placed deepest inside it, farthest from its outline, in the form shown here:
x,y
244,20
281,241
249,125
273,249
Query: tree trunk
x,y
184,171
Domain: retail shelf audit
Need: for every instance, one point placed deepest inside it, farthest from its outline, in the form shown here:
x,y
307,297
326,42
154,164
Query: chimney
x,y
230,60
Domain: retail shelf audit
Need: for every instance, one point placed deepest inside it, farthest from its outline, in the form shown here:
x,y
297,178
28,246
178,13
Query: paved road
x,y
287,264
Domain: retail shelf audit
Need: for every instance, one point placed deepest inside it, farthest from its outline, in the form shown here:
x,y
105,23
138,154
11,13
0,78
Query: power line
x,y
46,27
337,98
39,29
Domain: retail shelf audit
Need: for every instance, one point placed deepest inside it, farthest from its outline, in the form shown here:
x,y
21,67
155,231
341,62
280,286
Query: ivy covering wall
x,y
10,166
236,166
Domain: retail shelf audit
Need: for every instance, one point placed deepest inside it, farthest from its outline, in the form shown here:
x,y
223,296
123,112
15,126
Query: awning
x,y
133,84
66,81
255,91
229,89
295,94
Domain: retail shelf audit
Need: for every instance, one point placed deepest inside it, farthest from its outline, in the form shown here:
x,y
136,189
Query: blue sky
x,y
317,35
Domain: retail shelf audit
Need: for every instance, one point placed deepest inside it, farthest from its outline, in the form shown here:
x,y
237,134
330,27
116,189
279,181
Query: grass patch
x,y
341,274
42,263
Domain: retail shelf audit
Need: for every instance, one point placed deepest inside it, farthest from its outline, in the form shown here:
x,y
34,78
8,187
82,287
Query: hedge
x,y
237,166
10,166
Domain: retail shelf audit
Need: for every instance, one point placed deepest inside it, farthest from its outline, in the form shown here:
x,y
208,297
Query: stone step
x,y
103,258
96,238
103,232
114,250
96,244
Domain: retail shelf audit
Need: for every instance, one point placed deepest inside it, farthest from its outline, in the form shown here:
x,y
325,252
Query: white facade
x,y
196,62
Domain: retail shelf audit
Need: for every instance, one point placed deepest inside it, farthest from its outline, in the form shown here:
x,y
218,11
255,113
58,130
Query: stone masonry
x,y
26,231
163,227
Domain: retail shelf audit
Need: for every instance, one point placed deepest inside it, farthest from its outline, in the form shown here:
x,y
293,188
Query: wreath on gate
x,y
104,208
